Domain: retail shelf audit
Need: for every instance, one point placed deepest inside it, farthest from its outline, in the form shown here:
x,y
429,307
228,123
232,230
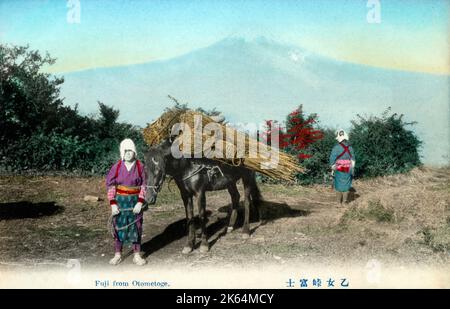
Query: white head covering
x,y
127,144
341,135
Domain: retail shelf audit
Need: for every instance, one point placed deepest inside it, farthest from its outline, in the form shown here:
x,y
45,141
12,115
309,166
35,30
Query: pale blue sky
x,y
412,35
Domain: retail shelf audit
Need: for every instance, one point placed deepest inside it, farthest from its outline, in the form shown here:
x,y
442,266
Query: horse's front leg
x,y
247,204
201,200
190,225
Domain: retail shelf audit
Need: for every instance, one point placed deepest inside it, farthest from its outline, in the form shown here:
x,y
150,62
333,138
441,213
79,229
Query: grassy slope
x,y
403,219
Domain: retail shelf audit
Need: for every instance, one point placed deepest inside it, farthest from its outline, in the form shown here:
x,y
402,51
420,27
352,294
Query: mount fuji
x,y
251,80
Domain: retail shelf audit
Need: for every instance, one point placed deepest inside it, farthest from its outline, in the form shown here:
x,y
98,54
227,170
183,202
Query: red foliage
x,y
300,133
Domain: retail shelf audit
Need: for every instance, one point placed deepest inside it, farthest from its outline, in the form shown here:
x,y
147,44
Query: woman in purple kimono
x,y
126,182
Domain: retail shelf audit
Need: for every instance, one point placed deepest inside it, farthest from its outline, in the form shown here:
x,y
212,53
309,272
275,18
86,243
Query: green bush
x,y
383,145
45,152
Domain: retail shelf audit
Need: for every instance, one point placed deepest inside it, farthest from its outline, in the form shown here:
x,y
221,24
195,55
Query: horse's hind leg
x,y
201,200
256,198
235,196
188,204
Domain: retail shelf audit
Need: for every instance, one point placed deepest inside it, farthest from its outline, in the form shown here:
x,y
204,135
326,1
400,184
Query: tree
x,y
302,138
29,98
39,132
107,120
300,133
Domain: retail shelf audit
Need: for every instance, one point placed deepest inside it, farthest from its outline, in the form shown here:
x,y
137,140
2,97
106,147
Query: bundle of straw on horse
x,y
237,148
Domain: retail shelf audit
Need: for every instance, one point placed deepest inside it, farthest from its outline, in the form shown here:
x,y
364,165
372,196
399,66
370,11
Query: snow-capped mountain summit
x,y
253,79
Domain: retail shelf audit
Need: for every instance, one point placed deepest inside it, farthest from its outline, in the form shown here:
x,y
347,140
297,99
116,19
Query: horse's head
x,y
156,166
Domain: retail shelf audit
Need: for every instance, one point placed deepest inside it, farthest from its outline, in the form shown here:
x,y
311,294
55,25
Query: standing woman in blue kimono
x,y
342,161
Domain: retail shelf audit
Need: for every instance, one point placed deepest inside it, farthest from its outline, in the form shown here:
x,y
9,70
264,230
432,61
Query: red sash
x,y
343,165
346,150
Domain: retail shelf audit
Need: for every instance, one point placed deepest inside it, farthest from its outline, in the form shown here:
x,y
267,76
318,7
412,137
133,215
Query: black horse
x,y
194,177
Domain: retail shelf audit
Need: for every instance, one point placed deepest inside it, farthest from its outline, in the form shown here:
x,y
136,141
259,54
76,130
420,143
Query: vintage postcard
x,y
298,144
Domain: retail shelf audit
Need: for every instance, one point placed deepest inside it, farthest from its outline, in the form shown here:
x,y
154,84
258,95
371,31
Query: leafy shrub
x,y
317,166
383,145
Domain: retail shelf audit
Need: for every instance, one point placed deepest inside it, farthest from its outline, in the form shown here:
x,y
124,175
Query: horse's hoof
x,y
230,229
204,248
186,250
245,236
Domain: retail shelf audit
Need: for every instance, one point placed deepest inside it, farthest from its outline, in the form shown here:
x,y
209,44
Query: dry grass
x,y
398,219
412,208
285,169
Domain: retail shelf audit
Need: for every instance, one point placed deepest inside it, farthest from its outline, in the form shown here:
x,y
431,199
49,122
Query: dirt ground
x,y
403,219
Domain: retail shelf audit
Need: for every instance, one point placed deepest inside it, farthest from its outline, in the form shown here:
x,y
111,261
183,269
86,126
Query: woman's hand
x,y
137,208
115,210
